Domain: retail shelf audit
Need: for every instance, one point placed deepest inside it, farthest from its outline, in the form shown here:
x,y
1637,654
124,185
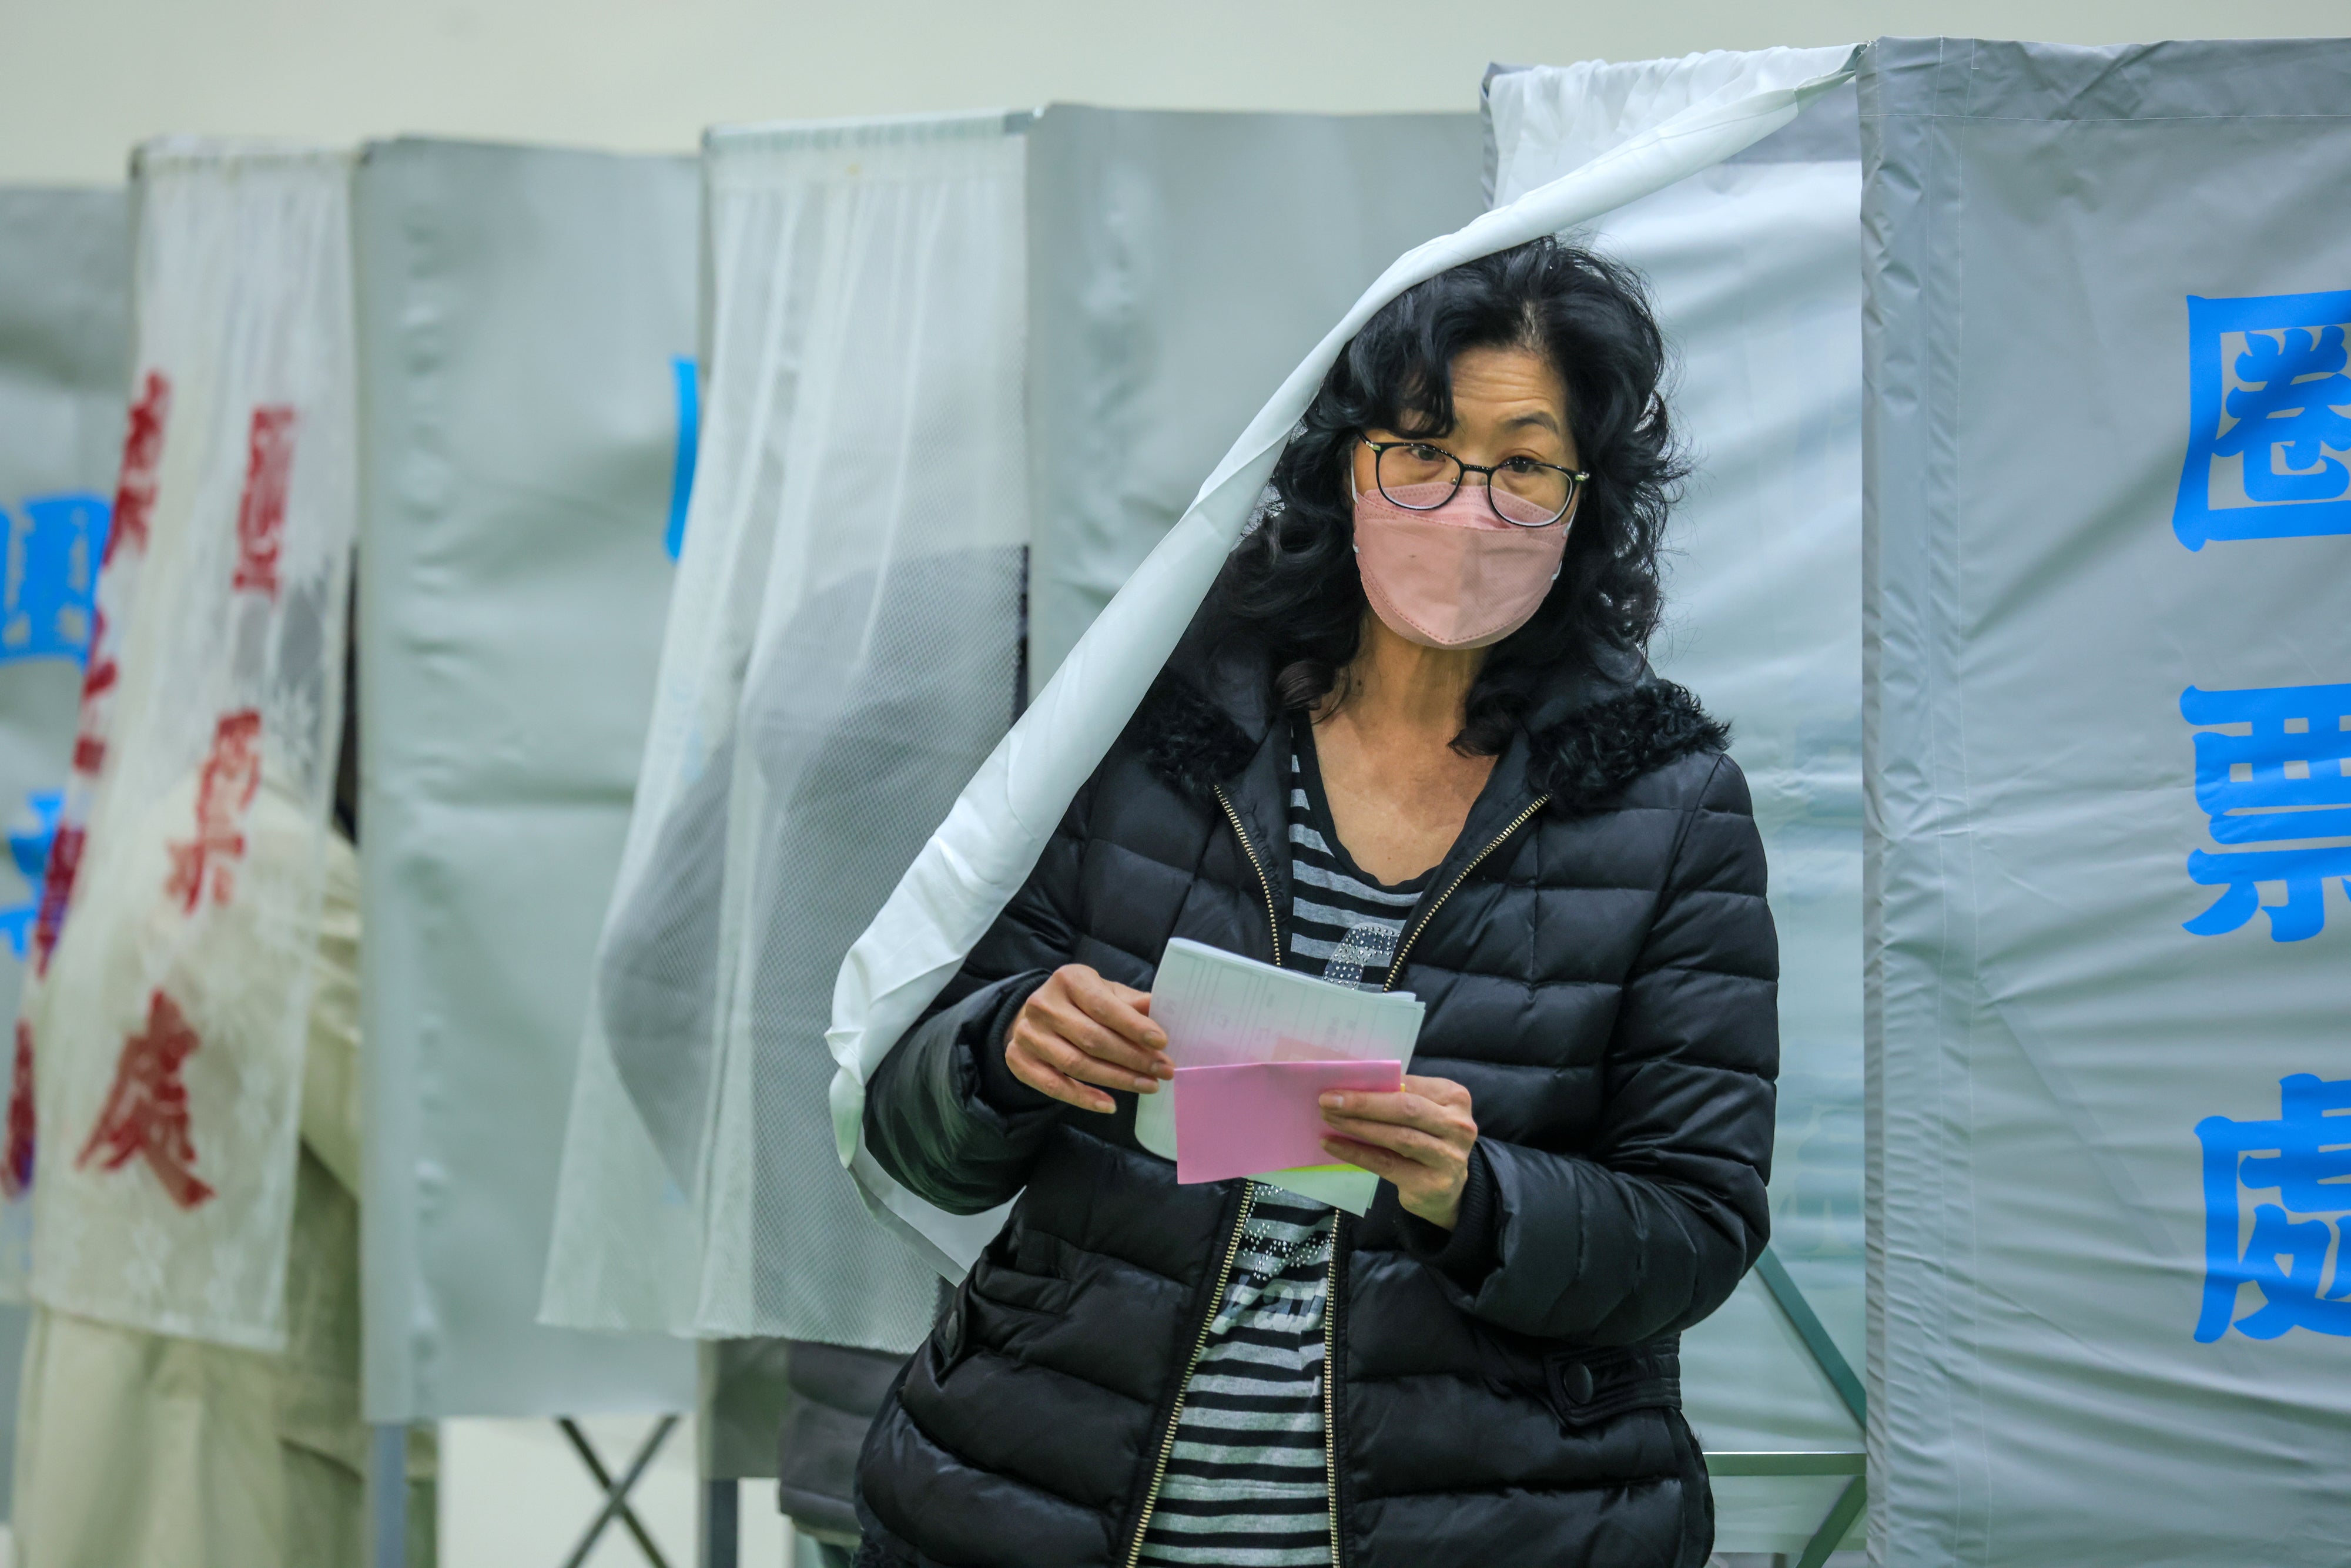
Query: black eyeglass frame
x,y
1576,480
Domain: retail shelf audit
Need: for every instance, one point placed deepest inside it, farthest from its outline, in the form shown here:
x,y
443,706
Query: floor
x,y
514,1495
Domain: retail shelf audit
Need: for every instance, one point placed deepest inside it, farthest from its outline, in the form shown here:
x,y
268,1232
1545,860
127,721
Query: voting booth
x,y
940,328
2109,523
843,640
1768,629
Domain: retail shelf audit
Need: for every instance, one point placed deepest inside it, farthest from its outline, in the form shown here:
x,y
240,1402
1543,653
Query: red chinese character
x,y
231,778
16,1164
261,515
146,1111
89,743
143,453
57,891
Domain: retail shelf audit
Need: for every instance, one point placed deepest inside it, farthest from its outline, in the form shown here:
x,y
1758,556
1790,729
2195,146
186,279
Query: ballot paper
x,y
1237,1119
1220,1009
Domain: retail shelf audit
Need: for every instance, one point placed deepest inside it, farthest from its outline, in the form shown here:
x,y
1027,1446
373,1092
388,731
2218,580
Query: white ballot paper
x,y
1220,1009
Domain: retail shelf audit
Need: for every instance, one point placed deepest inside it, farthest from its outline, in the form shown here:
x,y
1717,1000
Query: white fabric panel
x,y
843,649
65,319
522,313
171,1022
1754,266
989,842
2109,704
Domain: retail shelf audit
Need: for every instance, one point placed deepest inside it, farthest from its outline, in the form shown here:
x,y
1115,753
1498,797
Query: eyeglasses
x,y
1519,490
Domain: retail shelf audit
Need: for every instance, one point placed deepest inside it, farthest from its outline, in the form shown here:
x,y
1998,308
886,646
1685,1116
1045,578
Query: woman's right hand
x,y
1078,1031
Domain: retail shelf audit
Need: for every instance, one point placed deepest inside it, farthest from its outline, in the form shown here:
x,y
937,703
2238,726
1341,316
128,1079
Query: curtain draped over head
x,y
991,840
1753,268
171,1017
844,648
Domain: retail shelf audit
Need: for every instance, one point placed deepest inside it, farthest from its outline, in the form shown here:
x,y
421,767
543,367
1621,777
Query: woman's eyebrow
x,y
1537,417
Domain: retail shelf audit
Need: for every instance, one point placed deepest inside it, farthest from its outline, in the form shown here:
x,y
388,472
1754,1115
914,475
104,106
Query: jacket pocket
x,y
1586,1388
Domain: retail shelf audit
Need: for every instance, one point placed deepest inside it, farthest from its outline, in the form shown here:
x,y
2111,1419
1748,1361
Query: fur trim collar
x,y
1587,759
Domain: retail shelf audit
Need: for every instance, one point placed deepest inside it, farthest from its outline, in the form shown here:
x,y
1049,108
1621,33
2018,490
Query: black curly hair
x,y
1290,587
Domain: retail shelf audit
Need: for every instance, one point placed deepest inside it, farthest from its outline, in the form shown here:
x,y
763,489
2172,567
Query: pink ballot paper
x,y
1254,1116
1222,1010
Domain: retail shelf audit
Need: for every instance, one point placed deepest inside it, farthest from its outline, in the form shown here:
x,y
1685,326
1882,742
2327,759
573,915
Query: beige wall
x,y
82,80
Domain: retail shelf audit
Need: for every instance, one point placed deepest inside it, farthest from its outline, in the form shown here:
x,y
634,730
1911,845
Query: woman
x,y
1411,741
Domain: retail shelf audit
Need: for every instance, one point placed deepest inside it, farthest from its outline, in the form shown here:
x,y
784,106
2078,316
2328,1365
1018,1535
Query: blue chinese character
x,y
2286,780
2305,1157
51,576
685,375
2269,417
28,847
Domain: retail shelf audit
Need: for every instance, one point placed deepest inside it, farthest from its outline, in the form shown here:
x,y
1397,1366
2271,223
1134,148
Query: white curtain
x,y
171,1019
991,839
1754,267
843,649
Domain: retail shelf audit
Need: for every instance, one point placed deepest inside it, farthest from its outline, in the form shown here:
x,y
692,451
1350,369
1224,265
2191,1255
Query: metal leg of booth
x,y
1840,1373
1807,1324
387,1495
616,1492
722,1540
1848,1507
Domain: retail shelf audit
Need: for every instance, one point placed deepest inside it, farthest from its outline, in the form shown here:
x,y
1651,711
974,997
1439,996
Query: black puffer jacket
x,y
1598,969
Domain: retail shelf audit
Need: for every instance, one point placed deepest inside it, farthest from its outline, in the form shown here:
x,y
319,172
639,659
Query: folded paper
x,y
1257,1118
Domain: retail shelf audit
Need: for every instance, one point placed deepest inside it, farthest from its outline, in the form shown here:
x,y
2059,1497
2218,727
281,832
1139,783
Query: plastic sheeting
x,y
975,862
171,1022
1754,267
522,312
843,649
1179,266
2109,691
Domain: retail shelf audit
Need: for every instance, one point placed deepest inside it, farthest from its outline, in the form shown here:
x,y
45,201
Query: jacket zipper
x,y
1331,1291
1272,920
1176,1415
1330,1393
1395,965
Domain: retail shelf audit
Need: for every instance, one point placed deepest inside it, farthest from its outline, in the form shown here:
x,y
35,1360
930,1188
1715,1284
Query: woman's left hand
x,y
1419,1137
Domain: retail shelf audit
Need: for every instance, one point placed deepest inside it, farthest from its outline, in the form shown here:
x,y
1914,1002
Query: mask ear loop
x,y
1566,524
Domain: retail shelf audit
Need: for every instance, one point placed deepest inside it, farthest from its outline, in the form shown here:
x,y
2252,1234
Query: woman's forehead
x,y
1508,379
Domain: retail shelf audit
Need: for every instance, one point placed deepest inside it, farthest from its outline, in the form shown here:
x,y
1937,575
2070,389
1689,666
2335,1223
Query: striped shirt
x,y
1342,925
1246,1484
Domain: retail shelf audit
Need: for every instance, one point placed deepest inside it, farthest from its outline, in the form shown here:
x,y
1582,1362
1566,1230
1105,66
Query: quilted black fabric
x,y
1602,980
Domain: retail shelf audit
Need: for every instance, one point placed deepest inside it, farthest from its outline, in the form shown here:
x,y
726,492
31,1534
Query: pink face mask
x,y
1457,577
